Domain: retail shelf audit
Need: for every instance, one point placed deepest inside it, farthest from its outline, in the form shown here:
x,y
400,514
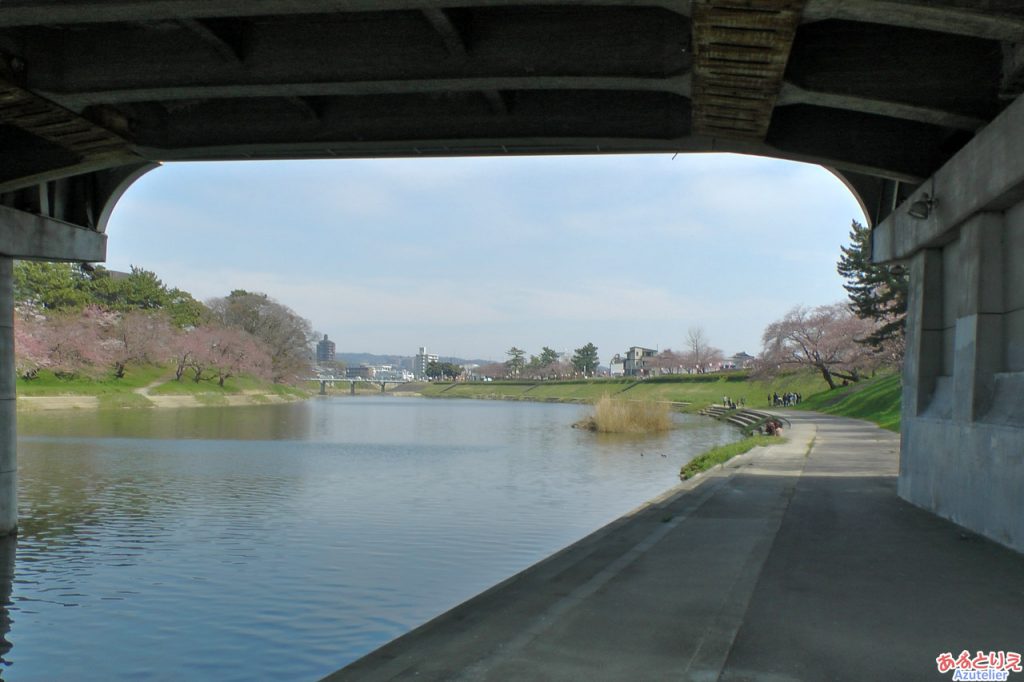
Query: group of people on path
x,y
788,399
732,404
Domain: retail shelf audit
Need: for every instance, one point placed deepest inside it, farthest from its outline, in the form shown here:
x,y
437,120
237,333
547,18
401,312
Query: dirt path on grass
x,y
58,402
85,402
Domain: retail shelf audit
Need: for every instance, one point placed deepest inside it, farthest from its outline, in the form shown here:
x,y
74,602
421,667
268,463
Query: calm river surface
x,y
282,542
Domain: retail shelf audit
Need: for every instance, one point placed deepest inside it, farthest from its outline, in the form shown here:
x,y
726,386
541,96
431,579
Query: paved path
x,y
781,566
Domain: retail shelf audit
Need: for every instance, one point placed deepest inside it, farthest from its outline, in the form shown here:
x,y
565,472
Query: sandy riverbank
x,y
86,402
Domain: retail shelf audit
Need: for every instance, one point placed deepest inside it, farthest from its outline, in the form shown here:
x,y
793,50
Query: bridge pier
x,y
323,388
351,388
962,451
8,403
38,233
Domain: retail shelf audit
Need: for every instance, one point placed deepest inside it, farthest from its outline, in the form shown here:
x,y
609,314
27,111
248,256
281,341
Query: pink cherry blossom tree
x,y
31,352
137,337
219,352
75,341
823,338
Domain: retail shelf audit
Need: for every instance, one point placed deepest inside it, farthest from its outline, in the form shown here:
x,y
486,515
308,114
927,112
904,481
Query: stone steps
x,y
741,417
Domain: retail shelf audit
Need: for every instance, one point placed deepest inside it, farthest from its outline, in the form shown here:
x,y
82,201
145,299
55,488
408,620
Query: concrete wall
x,y
8,429
963,423
962,449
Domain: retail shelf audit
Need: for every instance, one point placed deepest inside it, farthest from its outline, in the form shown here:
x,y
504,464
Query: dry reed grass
x,y
624,416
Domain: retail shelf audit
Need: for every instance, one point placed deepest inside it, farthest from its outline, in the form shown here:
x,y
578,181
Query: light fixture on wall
x,y
922,208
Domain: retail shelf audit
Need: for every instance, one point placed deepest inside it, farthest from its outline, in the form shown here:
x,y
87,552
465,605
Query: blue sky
x,y
471,256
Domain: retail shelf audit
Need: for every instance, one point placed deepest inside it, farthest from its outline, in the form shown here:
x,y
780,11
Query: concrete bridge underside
x,y
898,97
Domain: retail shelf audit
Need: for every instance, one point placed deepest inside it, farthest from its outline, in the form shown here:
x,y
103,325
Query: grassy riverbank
x,y
874,400
724,453
695,390
144,387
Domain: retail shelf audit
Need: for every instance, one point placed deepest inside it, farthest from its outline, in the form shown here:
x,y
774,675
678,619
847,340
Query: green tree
x,y
516,360
533,366
141,289
876,292
53,286
438,370
585,359
184,310
548,357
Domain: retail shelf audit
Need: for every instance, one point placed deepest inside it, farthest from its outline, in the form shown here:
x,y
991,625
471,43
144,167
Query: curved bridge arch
x,y
903,99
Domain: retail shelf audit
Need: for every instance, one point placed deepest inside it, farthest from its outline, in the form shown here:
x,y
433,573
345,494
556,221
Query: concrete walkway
x,y
780,566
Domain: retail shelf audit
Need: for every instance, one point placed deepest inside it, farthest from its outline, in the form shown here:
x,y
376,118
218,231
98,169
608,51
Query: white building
x,y
420,362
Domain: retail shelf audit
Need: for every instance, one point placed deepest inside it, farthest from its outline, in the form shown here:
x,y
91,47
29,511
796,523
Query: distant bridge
x,y
325,380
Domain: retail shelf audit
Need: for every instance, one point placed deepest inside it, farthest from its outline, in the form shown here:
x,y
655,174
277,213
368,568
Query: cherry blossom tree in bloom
x,y
823,338
667,362
75,341
220,352
31,352
137,337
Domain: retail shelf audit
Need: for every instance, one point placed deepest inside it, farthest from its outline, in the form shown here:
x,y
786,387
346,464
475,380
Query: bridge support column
x,y
351,388
38,237
8,427
962,440
323,388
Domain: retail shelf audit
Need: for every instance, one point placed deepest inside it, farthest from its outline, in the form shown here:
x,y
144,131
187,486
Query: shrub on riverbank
x,y
626,416
724,453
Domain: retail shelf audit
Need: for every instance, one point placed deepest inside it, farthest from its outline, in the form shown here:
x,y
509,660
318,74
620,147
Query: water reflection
x,y
290,421
8,548
322,529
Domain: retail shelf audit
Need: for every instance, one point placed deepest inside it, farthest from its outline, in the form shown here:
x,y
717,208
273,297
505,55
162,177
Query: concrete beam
x,y
679,85
1012,82
497,102
222,47
38,116
449,32
90,165
28,236
930,15
46,12
986,175
456,44
512,146
794,94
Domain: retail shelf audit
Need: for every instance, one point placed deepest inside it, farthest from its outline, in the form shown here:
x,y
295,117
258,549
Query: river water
x,y
282,542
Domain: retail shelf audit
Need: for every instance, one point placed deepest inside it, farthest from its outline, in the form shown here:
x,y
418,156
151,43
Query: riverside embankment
x,y
793,562
875,399
147,387
691,391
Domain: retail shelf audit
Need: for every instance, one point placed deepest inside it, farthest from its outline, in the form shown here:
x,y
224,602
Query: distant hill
x,y
356,359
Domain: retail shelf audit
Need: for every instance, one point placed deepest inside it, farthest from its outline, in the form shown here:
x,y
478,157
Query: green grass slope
x,y
875,400
122,392
699,390
48,384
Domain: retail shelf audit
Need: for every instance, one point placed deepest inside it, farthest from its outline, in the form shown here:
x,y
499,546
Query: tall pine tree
x,y
876,292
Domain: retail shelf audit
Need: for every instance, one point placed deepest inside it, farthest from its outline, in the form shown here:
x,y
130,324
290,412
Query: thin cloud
x,y
463,253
